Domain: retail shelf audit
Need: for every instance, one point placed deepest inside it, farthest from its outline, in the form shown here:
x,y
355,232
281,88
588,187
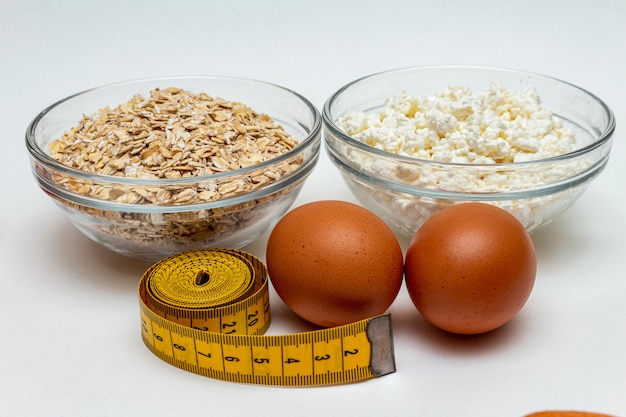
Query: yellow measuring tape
x,y
206,311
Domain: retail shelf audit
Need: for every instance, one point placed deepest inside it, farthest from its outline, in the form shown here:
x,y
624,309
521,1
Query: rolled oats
x,y
173,134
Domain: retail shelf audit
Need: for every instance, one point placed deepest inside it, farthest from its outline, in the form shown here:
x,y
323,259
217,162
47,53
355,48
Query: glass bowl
x,y
405,190
151,218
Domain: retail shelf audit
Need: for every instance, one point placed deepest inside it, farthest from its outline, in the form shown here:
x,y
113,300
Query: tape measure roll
x,y
206,311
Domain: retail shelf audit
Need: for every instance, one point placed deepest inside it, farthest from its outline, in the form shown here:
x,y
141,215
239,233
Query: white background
x,y
69,329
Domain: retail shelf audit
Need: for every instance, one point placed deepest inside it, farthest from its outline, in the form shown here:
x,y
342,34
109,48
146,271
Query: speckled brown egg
x,y
334,262
470,268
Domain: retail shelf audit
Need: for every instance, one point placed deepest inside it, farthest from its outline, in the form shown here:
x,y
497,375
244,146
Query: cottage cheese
x,y
487,130
460,126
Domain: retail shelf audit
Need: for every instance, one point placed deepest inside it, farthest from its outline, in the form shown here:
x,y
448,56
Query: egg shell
x,y
470,268
334,262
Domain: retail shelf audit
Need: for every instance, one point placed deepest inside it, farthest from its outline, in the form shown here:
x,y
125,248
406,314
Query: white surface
x,y
70,340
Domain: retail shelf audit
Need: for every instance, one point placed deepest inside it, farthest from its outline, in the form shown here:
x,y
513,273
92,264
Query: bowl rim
x,y
41,156
293,179
329,123
580,179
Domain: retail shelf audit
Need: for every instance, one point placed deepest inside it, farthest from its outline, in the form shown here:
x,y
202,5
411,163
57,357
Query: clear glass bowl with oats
x,y
152,167
409,142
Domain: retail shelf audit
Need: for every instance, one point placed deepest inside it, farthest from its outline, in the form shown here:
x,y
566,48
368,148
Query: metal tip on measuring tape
x,y
380,335
184,325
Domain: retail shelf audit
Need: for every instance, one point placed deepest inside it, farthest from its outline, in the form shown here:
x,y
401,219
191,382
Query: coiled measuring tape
x,y
206,312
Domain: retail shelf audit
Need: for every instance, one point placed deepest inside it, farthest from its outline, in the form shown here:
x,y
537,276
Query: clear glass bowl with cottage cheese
x,y
410,142
176,171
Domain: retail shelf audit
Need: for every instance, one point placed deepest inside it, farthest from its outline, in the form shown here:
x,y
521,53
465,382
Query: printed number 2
x,y
252,319
350,352
226,325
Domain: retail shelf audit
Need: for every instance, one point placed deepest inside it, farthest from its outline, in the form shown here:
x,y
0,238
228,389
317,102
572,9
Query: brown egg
x,y
566,413
334,262
470,268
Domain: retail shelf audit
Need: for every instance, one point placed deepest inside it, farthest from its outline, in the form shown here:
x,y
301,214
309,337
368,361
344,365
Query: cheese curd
x,y
460,126
484,132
